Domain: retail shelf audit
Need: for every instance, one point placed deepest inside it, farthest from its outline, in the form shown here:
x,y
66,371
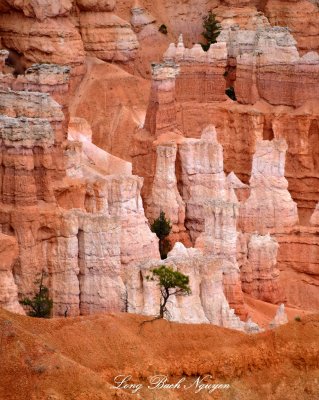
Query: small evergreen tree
x,y
230,92
40,305
171,283
211,31
162,227
163,29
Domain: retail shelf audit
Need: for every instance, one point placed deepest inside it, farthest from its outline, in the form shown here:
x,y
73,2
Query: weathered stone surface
x,y
165,196
295,14
8,288
269,67
89,156
242,190
298,264
96,5
315,216
108,37
140,17
161,111
239,127
30,160
54,40
280,317
84,233
259,272
113,120
269,204
207,302
41,9
203,178
201,73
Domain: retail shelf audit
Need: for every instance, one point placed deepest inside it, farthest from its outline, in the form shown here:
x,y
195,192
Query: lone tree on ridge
x,y
171,283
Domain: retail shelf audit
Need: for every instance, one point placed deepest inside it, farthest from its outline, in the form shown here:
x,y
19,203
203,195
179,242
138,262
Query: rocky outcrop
x,y
203,178
259,272
207,302
294,14
241,189
315,217
240,126
165,195
54,40
84,233
269,204
40,9
64,31
219,240
280,317
140,17
8,287
86,158
96,5
114,120
107,36
269,67
161,111
298,264
201,76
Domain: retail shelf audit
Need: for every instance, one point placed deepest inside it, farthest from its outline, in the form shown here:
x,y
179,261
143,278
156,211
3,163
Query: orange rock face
x,y
64,45
71,122
8,287
255,140
269,204
293,14
81,232
259,272
114,120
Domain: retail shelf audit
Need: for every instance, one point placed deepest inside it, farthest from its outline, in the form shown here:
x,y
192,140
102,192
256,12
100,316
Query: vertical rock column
x,y
165,196
211,208
259,274
161,112
269,205
8,288
203,178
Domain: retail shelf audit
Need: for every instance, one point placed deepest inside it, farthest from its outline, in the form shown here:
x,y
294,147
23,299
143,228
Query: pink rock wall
x,y
269,204
8,287
273,70
259,272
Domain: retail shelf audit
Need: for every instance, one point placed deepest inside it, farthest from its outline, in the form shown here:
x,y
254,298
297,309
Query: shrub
x,y
211,31
40,306
230,92
163,29
297,318
162,227
171,283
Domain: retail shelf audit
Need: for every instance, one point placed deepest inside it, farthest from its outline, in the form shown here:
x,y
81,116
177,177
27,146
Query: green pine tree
x,y
162,227
171,283
40,305
211,31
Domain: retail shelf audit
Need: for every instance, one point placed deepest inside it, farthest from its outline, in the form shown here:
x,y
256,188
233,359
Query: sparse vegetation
x,y
211,31
230,92
163,29
171,283
162,227
40,306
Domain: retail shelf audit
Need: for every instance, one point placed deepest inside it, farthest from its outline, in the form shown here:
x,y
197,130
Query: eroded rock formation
x,y
84,232
71,200
8,287
259,272
269,204
207,302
